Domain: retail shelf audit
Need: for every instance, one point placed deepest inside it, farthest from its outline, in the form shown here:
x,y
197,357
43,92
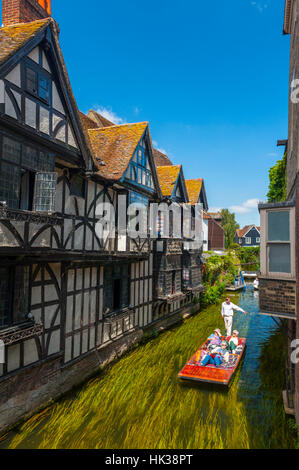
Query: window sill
x,y
172,297
17,215
118,314
20,332
277,277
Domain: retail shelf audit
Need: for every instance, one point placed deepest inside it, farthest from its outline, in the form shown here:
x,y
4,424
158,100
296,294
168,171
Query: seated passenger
x,y
215,338
217,355
234,341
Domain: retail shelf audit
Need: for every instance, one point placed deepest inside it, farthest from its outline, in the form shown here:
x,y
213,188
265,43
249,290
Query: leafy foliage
x,y
277,177
249,257
213,294
218,272
230,226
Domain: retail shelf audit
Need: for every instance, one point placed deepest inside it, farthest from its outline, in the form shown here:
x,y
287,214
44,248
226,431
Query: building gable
x,y
140,171
197,193
35,92
180,192
252,232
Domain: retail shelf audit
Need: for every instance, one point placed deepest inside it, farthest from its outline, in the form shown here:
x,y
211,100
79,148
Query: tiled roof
x,y
100,120
242,231
161,159
86,122
193,189
206,216
12,38
114,146
168,176
215,215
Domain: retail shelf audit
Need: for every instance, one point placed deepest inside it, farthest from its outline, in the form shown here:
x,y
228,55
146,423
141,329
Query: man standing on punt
x,y
227,312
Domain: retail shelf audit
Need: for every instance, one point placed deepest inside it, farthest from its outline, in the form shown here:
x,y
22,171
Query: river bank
x,y
138,402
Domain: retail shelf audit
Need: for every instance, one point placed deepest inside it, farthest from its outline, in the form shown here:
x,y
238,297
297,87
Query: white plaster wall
x,y
30,352
205,234
14,76
34,54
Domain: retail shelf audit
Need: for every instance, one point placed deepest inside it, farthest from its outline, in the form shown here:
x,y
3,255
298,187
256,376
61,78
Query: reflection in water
x,y
139,402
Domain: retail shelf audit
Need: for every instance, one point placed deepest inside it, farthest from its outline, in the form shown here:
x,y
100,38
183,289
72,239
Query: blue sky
x,y
210,77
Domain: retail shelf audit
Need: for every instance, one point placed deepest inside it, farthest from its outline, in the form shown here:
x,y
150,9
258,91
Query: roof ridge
x,y
49,19
169,166
120,125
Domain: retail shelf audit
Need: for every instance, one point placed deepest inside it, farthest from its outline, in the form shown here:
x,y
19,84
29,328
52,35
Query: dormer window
x,y
37,84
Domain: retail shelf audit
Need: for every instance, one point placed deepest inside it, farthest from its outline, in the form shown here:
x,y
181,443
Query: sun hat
x,y
236,332
218,331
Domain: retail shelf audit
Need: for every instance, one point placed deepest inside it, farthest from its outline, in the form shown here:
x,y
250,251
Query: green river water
x,y
138,402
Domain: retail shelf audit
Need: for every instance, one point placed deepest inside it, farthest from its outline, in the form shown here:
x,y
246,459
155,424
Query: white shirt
x,y
228,309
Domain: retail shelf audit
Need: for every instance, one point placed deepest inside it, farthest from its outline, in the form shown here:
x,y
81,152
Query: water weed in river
x,y
139,403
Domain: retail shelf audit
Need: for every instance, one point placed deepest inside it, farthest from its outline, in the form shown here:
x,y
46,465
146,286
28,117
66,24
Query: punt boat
x,y
221,375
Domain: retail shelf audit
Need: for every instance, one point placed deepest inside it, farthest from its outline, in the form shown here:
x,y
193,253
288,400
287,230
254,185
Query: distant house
x,y
248,236
214,235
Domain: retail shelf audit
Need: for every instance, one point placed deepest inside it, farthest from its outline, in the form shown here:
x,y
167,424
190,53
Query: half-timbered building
x,y
74,293
177,262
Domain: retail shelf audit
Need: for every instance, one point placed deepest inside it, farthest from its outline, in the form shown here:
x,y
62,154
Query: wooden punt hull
x,y
211,374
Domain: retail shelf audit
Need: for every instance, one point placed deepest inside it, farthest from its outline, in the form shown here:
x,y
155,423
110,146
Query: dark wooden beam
x,y
282,143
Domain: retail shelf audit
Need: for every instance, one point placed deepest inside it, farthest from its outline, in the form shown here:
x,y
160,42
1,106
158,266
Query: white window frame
x,y
258,239
265,271
248,240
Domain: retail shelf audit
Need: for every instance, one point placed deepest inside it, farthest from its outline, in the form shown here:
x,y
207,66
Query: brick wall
x,y
277,296
24,11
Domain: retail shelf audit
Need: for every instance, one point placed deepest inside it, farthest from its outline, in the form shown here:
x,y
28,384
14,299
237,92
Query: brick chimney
x,y
24,11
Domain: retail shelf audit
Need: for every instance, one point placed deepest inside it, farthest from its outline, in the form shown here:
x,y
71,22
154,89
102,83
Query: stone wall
x,y
277,296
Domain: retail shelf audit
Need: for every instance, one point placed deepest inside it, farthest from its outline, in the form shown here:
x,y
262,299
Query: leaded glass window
x,y
30,158
37,84
31,81
10,179
11,150
139,170
45,191
14,295
43,88
19,164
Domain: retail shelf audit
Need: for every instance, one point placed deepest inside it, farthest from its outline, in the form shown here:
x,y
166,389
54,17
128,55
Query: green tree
x,y
277,177
230,226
